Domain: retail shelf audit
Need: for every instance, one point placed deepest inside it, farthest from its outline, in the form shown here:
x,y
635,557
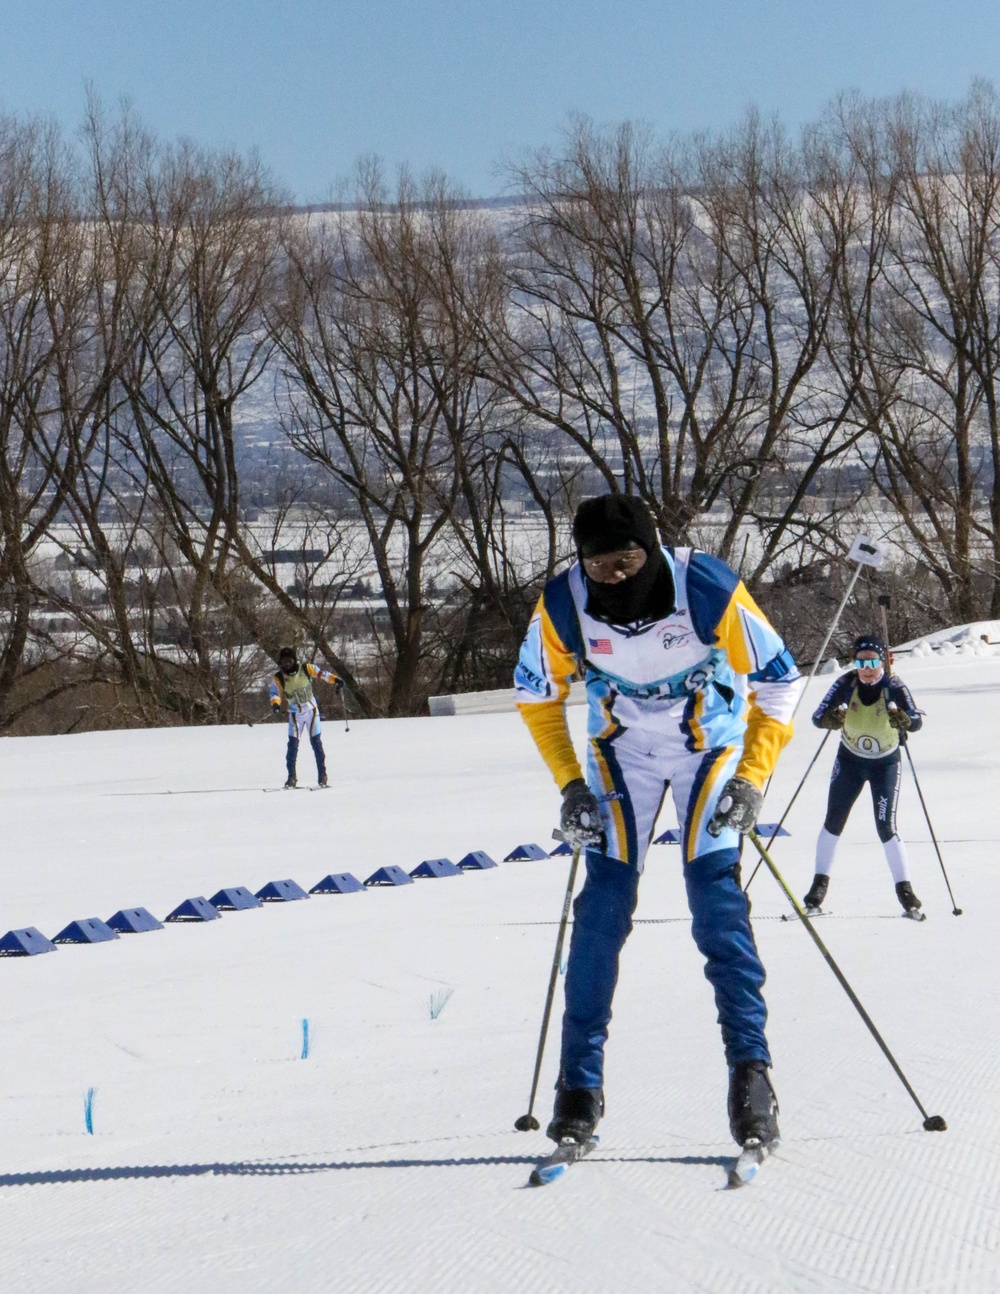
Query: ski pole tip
x,y
935,1123
957,912
527,1123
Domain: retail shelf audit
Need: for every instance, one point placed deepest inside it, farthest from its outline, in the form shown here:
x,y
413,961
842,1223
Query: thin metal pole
x,y
829,634
528,1122
788,807
932,1122
343,698
956,911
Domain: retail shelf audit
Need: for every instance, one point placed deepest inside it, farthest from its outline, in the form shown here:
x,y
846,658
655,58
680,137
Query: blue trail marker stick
x,y
88,1110
305,1040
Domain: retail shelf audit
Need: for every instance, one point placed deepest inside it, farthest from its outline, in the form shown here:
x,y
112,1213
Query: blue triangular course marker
x,y
133,921
89,930
768,829
525,852
281,892
26,942
560,850
389,875
671,837
338,883
477,861
197,909
436,867
235,899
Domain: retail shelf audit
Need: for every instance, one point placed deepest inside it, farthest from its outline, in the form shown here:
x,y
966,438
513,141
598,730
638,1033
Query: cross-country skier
x,y
871,708
292,684
688,687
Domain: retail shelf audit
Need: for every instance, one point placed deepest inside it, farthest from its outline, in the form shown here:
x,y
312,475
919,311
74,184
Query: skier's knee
x,y
608,898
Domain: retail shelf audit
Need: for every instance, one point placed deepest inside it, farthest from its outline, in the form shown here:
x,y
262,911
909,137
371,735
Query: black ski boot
x,y
753,1107
911,904
576,1113
292,782
813,901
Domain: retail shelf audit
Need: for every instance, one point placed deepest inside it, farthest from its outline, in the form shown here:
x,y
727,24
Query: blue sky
x,y
462,85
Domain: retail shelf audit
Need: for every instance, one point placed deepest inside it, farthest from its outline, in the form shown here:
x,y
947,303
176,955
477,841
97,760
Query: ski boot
x,y
911,904
813,901
576,1114
322,783
753,1107
292,782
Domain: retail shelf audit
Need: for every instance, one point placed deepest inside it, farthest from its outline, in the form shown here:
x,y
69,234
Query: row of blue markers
x,y
28,941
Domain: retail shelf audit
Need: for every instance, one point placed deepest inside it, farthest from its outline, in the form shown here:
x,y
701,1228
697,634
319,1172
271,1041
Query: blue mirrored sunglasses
x,y
872,662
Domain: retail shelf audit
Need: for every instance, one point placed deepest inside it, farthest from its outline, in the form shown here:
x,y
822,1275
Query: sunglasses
x,y
869,662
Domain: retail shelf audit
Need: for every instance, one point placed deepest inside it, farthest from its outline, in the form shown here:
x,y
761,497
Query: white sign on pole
x,y
867,552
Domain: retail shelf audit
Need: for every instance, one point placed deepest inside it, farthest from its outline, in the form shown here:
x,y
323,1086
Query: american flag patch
x,y
600,646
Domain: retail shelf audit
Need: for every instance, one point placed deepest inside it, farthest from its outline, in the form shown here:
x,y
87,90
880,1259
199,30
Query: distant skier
x,y
292,684
688,687
870,708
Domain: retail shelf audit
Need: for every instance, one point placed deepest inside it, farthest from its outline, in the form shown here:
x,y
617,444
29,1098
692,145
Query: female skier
x,y
871,708
292,683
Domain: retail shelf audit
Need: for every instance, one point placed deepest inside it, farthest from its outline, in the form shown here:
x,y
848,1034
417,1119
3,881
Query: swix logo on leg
x,y
883,805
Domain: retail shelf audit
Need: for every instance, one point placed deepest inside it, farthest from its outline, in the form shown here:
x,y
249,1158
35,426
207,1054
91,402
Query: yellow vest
x,y
867,730
298,687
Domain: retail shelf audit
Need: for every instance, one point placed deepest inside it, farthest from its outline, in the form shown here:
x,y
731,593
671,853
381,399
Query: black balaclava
x,y
870,692
608,524
283,655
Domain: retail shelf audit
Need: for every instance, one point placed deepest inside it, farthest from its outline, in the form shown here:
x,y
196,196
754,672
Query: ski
x,y
554,1166
748,1165
319,788
914,914
269,789
794,916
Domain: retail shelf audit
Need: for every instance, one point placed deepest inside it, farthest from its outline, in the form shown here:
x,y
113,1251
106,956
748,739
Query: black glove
x,y
737,807
899,719
276,710
833,718
338,683
580,819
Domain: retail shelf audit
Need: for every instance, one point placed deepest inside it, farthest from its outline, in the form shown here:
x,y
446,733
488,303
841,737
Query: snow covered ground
x,y
222,1161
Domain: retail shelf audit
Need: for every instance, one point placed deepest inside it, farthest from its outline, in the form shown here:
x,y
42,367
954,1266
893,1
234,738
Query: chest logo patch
x,y
674,636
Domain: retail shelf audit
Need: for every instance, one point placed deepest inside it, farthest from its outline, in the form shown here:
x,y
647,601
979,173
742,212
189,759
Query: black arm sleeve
x,y
839,694
899,695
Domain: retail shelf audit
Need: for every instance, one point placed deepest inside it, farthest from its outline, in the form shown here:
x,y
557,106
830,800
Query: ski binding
x,y
747,1166
553,1166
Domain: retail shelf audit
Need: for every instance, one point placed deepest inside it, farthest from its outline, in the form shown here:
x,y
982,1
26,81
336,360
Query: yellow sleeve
x,y
546,717
324,675
765,739
749,640
546,722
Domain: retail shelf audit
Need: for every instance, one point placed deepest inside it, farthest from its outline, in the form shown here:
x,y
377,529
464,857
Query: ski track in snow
x,y
387,1161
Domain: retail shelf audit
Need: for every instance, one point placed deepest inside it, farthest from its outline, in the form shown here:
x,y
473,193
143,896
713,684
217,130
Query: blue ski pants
x,y
301,720
719,910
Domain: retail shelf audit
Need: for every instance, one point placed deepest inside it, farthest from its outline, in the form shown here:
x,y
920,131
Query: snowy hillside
x,y
220,1160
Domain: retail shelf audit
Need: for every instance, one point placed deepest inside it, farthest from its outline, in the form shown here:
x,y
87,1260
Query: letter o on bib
x,y
869,745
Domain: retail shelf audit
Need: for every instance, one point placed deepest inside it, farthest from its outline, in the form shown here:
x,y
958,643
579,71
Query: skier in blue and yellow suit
x,y
688,687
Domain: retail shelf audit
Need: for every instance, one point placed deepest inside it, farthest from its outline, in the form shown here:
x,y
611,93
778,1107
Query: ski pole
x,y
956,911
528,1122
788,807
932,1122
343,698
